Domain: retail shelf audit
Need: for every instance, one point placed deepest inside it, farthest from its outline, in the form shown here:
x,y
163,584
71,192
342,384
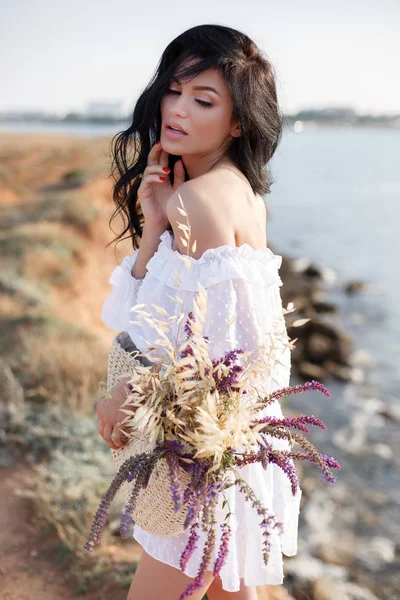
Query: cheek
x,y
213,120
163,106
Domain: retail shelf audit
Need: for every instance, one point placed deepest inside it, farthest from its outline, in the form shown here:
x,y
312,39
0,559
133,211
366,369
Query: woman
x,y
204,129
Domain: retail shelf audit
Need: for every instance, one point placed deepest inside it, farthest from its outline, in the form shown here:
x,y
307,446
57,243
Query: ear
x,y
235,130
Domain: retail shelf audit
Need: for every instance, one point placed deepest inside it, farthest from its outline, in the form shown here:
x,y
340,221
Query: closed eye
x,y
208,104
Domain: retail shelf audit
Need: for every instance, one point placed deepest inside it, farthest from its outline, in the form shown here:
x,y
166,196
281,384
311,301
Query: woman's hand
x,y
110,417
155,188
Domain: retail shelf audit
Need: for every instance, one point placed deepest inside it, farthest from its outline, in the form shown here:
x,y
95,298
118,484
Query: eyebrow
x,y
200,87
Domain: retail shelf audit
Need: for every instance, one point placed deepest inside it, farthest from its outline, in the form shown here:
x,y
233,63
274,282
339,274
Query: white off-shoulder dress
x,y
245,282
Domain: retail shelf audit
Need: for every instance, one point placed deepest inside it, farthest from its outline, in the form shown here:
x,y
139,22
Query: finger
x,y
100,427
113,446
107,438
179,174
155,169
116,435
163,158
107,431
148,179
153,157
97,405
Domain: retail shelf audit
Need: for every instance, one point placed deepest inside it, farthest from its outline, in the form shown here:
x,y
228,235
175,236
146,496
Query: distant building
x,y
104,109
328,114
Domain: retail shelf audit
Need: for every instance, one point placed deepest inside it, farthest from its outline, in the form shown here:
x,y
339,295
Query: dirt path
x,y
28,566
26,571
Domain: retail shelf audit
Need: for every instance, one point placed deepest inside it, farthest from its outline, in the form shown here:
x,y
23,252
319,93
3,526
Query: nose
x,y
179,106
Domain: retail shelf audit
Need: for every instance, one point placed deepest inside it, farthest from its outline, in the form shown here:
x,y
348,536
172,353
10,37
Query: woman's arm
x,y
148,246
108,411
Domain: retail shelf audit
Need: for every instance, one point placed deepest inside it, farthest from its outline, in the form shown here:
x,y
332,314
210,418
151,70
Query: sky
x,y
58,56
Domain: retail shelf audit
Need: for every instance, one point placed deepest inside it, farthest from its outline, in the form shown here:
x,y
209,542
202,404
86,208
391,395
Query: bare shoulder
x,y
206,206
245,209
215,192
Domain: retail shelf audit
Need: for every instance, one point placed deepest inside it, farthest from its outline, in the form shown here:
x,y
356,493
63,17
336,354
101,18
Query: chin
x,y
171,146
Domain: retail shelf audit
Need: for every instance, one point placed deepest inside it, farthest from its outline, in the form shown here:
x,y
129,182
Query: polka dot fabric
x,y
245,282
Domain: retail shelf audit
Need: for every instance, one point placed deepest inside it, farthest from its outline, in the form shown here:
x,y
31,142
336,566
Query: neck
x,y
199,165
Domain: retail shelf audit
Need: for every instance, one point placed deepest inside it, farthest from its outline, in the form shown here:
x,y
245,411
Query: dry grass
x,y
74,208
9,306
43,264
55,361
77,209
43,252
30,162
20,291
53,235
66,369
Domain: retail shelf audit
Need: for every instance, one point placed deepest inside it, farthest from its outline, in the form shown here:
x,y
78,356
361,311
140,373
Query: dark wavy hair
x,y
251,81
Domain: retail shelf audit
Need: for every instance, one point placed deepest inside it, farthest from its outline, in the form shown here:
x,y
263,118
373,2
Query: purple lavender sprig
x,y
211,499
126,517
289,421
210,529
194,506
176,485
190,546
284,462
195,495
187,328
223,549
330,461
268,521
197,470
269,454
296,389
129,469
224,383
321,459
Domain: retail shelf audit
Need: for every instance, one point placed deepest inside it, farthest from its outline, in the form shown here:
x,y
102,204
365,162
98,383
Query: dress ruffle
x,y
214,266
116,308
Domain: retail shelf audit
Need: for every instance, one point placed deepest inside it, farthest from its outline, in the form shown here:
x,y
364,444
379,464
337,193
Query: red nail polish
x,y
166,169
163,178
157,143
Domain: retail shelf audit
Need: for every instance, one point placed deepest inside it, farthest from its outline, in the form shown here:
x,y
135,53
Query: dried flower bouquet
x,y
199,413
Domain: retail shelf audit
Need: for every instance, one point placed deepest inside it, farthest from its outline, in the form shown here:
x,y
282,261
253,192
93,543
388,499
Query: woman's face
x,y
202,107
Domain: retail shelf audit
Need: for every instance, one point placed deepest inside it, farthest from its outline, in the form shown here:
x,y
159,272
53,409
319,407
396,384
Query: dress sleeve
x,y
259,321
253,307
116,307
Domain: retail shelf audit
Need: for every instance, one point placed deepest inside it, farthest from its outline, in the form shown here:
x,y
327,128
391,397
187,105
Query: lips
x,y
175,127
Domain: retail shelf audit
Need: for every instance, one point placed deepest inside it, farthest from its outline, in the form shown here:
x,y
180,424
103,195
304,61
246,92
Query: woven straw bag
x,y
154,511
